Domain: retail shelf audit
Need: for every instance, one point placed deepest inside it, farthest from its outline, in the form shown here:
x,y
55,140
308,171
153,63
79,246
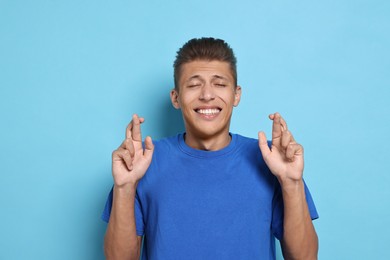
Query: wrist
x,y
291,185
290,177
126,189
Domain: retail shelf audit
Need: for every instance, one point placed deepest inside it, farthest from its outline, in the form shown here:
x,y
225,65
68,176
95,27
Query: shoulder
x,y
244,139
166,143
248,148
166,150
246,144
165,153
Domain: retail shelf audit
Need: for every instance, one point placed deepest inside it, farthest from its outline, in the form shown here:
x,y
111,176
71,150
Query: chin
x,y
207,132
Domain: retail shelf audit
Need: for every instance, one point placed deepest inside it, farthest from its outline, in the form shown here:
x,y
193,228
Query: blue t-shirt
x,y
195,204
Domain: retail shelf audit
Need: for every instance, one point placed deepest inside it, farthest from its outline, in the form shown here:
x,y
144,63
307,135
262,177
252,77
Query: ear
x,y
237,96
175,99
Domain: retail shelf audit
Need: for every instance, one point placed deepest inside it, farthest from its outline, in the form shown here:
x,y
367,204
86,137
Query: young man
x,y
207,193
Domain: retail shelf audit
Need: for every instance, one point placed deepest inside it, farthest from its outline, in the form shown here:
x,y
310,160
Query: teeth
x,y
208,111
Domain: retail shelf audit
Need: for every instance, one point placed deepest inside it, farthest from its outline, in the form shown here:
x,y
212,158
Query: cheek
x,y
227,94
229,99
186,99
184,105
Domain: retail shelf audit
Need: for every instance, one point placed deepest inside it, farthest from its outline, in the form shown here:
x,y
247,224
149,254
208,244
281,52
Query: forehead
x,y
206,69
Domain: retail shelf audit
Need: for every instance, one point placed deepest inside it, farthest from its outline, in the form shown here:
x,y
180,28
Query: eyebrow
x,y
199,77
194,77
219,77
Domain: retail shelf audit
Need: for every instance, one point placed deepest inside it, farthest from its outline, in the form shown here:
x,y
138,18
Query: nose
x,y
207,93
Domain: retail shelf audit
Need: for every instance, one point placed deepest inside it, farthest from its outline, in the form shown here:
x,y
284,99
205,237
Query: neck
x,y
213,143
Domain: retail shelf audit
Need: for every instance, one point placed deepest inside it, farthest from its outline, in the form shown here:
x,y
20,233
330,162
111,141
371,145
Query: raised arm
x,y
285,161
129,164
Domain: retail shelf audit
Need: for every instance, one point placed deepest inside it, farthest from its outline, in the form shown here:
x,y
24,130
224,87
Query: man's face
x,y
206,97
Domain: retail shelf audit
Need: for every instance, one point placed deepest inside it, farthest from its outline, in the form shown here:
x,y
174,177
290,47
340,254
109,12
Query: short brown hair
x,y
204,49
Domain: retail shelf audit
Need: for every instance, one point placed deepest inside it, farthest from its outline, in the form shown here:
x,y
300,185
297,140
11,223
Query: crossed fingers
x,y
133,142
131,156
133,130
282,138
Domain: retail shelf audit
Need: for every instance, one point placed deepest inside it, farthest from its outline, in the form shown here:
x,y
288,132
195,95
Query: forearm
x,y
121,241
299,238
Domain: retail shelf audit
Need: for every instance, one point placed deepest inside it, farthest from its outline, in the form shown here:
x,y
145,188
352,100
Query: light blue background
x,y
73,72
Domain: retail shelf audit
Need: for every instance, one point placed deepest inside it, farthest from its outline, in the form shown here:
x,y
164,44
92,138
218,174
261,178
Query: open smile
x,y
208,111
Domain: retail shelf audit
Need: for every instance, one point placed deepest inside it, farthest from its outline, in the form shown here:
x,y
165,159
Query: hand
x,y
285,157
130,161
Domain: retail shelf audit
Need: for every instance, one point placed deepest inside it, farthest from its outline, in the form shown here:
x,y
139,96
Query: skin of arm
x,y
285,161
121,240
300,240
129,164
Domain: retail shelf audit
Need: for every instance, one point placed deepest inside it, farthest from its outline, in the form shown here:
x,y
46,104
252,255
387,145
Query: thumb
x,y
149,148
263,144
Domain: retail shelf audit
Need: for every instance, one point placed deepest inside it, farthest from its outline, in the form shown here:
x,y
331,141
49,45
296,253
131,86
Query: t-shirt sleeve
x,y
107,208
137,208
312,207
139,220
278,211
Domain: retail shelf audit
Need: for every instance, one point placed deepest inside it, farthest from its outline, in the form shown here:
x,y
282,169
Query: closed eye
x,y
193,85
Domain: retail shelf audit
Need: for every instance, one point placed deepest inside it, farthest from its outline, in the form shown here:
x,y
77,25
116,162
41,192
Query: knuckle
x,y
130,153
129,144
114,153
